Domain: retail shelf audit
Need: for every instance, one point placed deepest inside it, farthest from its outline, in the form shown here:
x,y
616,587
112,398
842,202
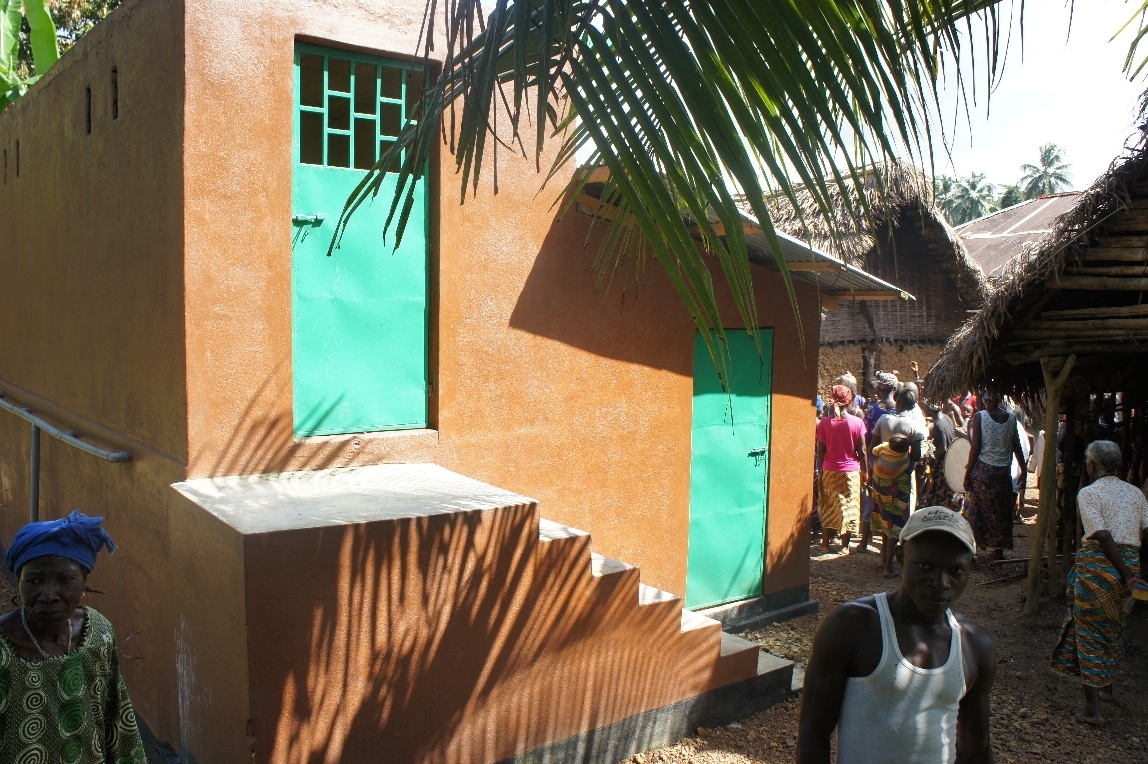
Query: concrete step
x,y
615,581
648,595
738,656
732,644
549,531
561,542
560,564
692,622
602,566
658,606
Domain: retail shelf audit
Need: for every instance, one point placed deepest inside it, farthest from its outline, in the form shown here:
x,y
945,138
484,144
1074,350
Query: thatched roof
x,y
907,200
988,346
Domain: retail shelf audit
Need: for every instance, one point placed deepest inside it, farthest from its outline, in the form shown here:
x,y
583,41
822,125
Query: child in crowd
x,y
892,488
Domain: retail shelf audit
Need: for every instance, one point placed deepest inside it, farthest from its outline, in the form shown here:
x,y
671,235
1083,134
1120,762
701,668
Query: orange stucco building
x,y
296,597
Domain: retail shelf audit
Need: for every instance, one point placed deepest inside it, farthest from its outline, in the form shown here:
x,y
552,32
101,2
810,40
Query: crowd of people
x,y
881,456
889,657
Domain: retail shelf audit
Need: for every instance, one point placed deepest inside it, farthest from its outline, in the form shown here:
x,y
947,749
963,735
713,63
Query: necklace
x,y
36,642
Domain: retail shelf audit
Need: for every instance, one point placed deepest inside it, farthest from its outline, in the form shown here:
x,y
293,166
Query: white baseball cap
x,y
939,519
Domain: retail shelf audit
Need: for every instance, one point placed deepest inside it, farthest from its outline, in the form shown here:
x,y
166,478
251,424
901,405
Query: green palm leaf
x,y
692,107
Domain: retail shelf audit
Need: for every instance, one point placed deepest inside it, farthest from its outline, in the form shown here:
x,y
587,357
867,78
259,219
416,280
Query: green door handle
x,y
758,451
312,220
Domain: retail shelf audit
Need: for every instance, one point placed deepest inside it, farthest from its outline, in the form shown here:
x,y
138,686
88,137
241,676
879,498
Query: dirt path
x,y
1033,709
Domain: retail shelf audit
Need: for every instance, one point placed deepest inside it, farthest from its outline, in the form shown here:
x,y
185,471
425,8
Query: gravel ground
x,y
1033,709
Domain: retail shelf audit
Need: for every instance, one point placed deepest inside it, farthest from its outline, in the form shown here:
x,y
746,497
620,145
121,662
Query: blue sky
x,y
1066,91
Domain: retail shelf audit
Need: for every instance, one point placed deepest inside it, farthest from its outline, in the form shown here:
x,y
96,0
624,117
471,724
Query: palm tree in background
x,y
973,197
944,188
1050,176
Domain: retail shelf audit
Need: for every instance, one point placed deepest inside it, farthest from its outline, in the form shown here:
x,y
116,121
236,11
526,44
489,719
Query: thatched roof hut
x,y
1066,330
901,237
1078,290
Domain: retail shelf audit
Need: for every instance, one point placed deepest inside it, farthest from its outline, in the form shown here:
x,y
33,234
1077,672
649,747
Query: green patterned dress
x,y
71,709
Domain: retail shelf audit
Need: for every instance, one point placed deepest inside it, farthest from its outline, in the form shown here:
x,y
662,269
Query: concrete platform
x,y
756,613
664,726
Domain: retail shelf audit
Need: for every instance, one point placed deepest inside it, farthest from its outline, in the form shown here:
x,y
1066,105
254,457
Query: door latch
x,y
312,220
758,451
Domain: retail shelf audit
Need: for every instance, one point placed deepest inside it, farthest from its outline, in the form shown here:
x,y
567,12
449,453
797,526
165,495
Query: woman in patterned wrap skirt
x,y
62,698
1114,515
841,457
994,443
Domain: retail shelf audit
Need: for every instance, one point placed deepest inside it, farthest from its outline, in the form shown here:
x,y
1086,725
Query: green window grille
x,y
351,108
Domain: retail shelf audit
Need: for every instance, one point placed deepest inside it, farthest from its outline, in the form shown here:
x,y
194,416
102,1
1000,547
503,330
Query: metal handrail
x,y
69,437
38,425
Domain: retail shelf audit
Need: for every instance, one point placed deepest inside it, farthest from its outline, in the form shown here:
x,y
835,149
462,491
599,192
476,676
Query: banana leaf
x,y
42,36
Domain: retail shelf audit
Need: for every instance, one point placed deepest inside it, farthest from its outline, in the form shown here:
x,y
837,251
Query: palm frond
x,y
692,106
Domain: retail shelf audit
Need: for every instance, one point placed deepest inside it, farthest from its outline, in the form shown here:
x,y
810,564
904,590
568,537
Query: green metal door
x,y
359,317
729,474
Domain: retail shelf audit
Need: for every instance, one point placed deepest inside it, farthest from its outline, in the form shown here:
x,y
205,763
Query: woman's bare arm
x,y
974,446
973,728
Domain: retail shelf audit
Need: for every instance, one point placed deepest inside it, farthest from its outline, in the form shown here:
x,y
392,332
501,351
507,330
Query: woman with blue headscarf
x,y
62,698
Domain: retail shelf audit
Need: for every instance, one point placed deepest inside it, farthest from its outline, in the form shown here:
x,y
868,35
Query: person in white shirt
x,y
900,676
1115,519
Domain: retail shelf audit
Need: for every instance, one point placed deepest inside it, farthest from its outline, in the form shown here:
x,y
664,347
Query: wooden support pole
x,y
1052,386
1051,335
1017,353
1119,242
1125,428
1127,227
1071,458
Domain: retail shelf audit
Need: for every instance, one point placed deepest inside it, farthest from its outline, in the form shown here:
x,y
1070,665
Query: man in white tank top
x,y
900,677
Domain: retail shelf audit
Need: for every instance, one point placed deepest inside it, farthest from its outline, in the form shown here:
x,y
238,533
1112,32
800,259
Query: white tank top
x,y
901,713
997,440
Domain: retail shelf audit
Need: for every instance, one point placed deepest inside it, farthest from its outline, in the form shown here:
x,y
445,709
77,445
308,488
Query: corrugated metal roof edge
x,y
594,188
819,256
986,216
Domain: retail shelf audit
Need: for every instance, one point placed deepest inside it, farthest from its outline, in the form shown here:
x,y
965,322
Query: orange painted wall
x,y
545,387
92,338
93,232
154,314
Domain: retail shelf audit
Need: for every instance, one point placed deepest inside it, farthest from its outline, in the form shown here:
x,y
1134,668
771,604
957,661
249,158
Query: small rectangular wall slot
x,y
88,110
17,159
115,93
5,167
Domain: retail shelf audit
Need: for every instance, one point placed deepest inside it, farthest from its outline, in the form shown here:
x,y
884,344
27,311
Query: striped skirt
x,y
892,503
1098,605
839,502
